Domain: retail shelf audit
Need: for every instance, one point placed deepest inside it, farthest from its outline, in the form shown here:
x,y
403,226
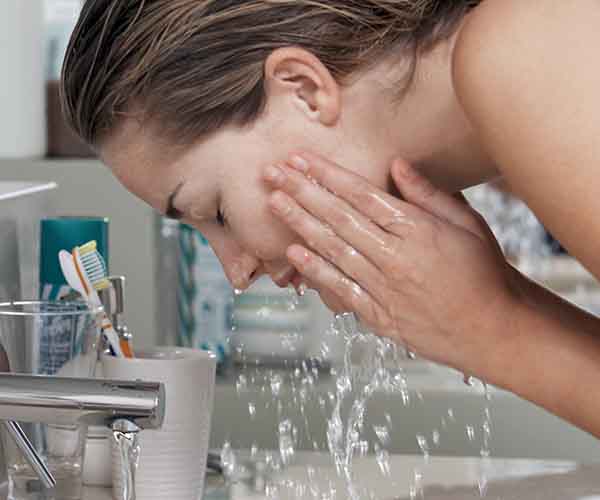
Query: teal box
x,y
65,233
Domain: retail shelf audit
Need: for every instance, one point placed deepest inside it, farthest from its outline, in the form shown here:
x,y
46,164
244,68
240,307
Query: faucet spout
x,y
67,401
123,406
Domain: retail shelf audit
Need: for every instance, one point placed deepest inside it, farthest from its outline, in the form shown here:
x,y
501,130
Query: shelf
x,y
49,162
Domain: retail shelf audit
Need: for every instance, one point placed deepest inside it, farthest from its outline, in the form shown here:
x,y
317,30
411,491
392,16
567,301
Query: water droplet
x,y
286,441
228,460
252,410
241,384
423,445
276,383
238,292
470,432
388,419
435,437
383,461
451,415
362,448
382,433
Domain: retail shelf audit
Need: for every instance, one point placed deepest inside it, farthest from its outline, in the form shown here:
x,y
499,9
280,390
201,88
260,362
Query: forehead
x,y
145,163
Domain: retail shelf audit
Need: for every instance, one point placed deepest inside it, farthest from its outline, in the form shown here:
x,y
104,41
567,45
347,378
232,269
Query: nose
x,y
244,271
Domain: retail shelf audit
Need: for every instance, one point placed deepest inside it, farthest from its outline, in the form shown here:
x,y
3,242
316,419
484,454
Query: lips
x,y
298,281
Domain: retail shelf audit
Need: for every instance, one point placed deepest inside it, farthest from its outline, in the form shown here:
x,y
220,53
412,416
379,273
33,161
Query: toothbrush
x,y
96,272
72,265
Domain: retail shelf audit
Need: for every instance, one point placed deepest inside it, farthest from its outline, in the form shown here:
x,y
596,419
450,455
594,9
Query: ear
x,y
297,73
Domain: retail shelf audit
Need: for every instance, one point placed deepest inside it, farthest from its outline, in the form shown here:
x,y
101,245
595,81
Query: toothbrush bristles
x,y
94,265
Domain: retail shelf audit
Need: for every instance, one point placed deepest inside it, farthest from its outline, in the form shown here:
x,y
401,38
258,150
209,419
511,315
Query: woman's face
x,y
216,184
217,187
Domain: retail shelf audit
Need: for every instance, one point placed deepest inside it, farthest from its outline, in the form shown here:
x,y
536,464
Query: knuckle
x,y
400,227
295,217
340,218
360,193
392,250
335,250
382,319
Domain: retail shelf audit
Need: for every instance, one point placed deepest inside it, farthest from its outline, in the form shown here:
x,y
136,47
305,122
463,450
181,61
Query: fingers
x,y
324,240
418,190
347,293
385,210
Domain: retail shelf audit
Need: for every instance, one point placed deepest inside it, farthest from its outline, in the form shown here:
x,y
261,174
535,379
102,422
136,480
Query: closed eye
x,y
171,212
221,219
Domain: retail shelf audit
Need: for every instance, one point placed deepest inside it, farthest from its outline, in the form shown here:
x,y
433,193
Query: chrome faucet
x,y
68,401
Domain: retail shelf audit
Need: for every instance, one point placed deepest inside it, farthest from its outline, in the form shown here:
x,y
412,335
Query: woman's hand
x,y
426,271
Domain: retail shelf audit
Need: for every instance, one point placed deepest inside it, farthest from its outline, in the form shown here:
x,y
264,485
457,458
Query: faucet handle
x,y
29,452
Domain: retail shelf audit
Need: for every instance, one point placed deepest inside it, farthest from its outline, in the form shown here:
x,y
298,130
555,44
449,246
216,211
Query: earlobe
x,y
296,73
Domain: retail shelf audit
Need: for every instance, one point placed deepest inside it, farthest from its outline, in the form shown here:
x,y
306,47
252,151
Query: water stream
x,y
126,436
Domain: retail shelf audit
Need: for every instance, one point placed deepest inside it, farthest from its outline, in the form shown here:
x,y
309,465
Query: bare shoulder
x,y
527,75
508,47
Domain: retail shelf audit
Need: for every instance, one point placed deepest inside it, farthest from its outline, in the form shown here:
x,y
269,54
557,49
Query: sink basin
x,y
443,478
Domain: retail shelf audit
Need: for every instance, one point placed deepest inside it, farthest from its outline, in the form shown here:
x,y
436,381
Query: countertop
x,y
442,478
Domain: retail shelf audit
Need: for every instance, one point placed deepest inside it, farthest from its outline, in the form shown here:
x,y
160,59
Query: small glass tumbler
x,y
53,339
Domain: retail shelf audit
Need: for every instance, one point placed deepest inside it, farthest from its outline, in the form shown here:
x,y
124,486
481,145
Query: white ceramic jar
x,y
22,79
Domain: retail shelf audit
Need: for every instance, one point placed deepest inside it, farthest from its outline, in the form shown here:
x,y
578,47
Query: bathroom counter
x,y
444,478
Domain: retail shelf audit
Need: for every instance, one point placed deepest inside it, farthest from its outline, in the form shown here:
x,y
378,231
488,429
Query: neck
x,y
439,138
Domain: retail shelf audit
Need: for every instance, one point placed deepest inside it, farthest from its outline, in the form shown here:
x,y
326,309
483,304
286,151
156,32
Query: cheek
x,y
265,236
257,230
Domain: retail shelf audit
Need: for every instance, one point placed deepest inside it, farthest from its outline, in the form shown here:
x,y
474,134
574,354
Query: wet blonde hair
x,y
194,66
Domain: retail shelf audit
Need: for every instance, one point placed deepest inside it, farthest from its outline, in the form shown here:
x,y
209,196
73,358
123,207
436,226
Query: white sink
x,y
443,478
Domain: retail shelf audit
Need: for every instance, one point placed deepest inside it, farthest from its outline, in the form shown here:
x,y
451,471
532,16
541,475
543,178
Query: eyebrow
x,y
171,212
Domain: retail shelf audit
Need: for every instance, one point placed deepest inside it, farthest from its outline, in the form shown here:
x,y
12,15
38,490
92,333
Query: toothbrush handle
x,y
126,348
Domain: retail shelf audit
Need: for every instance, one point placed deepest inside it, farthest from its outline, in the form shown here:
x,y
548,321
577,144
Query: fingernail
x,y
298,255
274,175
405,170
279,204
299,163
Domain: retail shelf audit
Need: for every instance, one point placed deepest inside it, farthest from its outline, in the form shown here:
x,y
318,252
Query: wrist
x,y
506,338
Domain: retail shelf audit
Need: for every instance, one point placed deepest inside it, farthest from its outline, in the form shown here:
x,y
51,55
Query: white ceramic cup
x,y
172,459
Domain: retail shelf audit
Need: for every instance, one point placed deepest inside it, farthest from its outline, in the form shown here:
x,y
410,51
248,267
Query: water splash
x,y
364,373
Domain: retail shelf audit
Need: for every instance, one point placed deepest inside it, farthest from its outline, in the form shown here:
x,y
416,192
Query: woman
x,y
222,113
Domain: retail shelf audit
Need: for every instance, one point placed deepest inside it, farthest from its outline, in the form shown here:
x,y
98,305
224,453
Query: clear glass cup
x,y
54,339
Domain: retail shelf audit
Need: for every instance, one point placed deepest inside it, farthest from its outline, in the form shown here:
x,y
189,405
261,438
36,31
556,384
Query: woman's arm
x,y
557,364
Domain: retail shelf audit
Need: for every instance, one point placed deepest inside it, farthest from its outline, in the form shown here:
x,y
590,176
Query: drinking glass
x,y
54,339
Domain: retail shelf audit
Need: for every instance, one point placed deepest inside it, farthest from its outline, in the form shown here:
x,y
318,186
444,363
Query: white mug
x,y
172,459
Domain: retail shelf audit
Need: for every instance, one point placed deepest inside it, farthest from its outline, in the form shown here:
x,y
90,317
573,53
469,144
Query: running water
x,y
126,436
370,365
364,373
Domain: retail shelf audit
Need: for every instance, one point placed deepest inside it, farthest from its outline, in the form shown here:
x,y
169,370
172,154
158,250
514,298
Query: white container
x,y
22,79
22,205
173,458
